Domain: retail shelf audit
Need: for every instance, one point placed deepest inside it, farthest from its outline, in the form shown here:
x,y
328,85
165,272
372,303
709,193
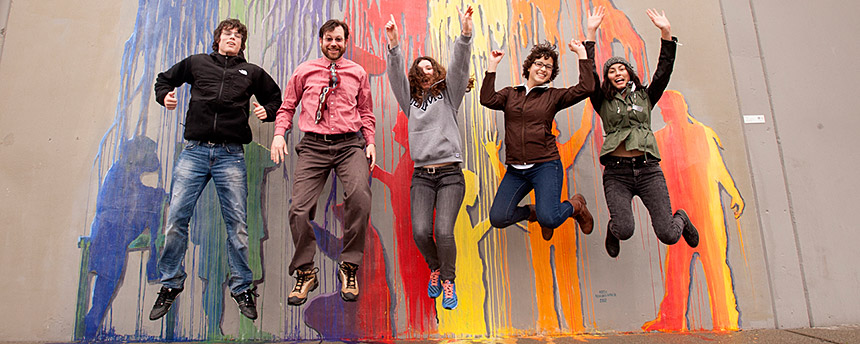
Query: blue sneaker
x,y
449,300
434,289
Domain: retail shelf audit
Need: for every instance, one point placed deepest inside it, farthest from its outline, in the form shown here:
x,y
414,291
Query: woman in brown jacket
x,y
530,146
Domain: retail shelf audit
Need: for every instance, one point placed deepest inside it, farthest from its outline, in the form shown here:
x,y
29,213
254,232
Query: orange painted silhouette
x,y
695,173
566,269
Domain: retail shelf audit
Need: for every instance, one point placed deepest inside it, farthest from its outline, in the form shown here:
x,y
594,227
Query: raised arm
x,y
595,18
395,67
666,63
585,87
457,79
489,97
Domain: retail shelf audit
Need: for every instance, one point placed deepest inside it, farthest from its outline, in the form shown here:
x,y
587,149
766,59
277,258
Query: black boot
x,y
613,245
690,233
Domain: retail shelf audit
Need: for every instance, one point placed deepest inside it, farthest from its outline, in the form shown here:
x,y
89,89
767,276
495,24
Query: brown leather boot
x,y
581,214
544,231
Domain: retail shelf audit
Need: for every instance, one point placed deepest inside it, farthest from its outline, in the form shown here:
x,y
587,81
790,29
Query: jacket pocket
x,y
429,144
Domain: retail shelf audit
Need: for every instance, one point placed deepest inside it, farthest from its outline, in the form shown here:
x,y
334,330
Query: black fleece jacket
x,y
221,88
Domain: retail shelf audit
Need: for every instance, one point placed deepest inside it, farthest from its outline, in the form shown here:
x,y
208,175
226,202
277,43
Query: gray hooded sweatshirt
x,y
434,135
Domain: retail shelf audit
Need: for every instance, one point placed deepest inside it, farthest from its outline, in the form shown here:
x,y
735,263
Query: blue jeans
x,y
546,179
442,190
199,162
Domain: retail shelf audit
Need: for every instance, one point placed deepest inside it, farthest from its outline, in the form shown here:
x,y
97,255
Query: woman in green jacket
x,y
629,154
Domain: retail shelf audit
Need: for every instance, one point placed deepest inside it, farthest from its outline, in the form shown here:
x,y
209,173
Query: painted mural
x,y
511,282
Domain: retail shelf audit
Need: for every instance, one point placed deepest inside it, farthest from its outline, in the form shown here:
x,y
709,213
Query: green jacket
x,y
627,119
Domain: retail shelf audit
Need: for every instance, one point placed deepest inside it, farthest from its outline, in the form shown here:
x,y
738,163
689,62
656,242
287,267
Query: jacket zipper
x,y
523,134
220,90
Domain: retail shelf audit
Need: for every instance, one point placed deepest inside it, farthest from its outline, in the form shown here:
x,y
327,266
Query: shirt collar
x,y
524,86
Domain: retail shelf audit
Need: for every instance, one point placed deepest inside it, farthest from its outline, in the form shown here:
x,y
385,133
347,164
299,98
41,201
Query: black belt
x,y
439,169
640,160
211,143
330,137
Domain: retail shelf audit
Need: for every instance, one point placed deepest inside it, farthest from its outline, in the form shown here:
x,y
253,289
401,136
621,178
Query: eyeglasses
x,y
332,84
540,65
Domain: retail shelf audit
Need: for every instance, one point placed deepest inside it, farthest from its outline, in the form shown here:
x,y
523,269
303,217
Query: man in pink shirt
x,y
337,118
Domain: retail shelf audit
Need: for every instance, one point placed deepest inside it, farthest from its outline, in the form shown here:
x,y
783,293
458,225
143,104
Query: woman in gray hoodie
x,y
430,96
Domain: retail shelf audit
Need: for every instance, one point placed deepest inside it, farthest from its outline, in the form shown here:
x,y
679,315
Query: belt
x,y
211,143
439,169
330,137
640,160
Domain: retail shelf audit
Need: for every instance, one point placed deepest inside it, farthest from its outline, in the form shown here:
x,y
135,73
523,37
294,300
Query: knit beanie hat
x,y
617,59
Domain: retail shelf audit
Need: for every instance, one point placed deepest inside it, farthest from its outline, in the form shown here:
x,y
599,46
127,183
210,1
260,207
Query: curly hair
x,y
229,24
543,50
417,79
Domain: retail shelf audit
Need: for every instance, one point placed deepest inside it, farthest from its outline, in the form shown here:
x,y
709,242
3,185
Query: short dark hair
x,y
332,24
229,24
543,50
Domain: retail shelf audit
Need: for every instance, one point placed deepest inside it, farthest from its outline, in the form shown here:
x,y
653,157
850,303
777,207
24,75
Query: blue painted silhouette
x,y
125,209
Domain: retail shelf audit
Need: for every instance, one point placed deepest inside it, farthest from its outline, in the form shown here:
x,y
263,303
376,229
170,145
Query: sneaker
x,y
434,289
349,284
544,231
449,300
613,245
306,282
581,214
690,233
163,302
245,300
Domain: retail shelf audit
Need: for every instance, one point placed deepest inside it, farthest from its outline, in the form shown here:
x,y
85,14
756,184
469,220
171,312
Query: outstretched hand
x,y
494,59
577,47
391,32
595,18
661,22
466,24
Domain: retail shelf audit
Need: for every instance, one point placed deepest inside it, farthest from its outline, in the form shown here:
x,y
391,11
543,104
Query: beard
x,y
332,55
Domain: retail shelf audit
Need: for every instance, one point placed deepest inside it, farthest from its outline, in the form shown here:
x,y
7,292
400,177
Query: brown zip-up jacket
x,y
528,117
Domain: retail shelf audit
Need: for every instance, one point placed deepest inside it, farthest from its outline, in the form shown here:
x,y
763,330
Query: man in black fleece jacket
x,y
216,127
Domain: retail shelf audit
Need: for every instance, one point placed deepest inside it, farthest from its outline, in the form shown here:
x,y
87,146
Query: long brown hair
x,y
417,79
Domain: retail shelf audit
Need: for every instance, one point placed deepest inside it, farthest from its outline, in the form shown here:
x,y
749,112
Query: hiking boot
x,y
163,302
246,303
449,300
434,289
349,284
690,233
581,214
306,282
613,245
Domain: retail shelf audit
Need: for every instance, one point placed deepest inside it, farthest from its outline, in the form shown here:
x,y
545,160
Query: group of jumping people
x,y
333,97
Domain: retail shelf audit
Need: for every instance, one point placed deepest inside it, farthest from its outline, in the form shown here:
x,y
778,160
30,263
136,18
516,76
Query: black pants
x,y
624,178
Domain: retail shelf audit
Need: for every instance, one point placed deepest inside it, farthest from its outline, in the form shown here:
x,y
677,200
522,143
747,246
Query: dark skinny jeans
x,y
624,178
442,189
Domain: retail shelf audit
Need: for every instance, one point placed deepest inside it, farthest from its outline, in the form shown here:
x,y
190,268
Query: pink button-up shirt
x,y
349,107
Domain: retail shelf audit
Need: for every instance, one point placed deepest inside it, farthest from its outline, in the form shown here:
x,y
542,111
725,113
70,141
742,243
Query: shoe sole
x,y
348,297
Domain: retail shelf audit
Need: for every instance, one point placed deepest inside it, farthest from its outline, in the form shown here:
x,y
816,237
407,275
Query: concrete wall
x,y
76,87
